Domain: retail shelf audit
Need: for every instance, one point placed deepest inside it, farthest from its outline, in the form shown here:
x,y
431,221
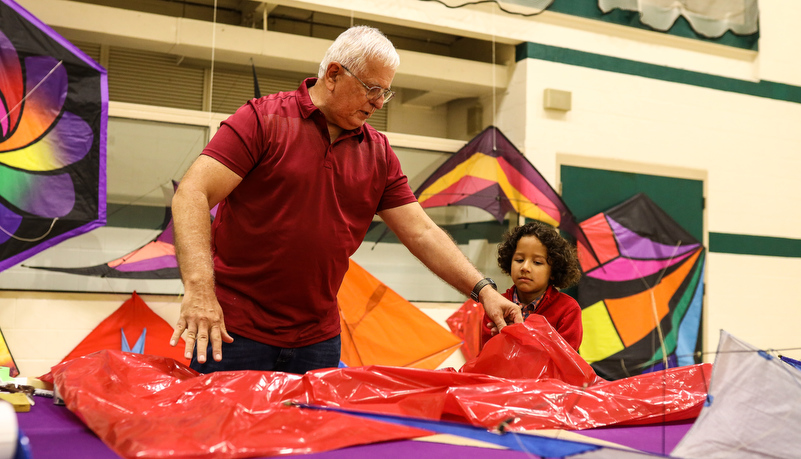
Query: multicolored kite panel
x,y
644,290
53,116
491,174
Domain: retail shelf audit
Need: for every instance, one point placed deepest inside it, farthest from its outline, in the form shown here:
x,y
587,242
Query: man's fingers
x,y
225,336
499,321
176,335
190,344
216,344
202,343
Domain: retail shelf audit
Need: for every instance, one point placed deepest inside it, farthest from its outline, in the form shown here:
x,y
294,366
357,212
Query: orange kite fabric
x,y
379,327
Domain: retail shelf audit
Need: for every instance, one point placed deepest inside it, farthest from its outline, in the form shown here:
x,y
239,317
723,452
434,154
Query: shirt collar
x,y
307,108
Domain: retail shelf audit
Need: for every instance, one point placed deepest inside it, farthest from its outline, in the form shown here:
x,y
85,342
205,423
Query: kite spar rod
x,y
24,98
32,90
657,326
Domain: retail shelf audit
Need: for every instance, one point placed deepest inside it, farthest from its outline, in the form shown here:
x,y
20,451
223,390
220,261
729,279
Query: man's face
x,y
349,107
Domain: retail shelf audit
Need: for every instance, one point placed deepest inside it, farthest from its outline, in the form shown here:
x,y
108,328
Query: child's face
x,y
531,272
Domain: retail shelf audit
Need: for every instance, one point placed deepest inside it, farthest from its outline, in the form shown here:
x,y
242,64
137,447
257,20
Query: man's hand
x,y
202,318
500,311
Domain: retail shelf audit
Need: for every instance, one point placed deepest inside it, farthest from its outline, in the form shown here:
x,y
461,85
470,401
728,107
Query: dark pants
x,y
246,354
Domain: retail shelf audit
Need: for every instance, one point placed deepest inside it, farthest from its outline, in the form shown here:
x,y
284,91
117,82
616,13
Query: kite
x,y
251,413
641,298
641,293
6,359
491,174
133,322
53,118
154,260
749,388
380,327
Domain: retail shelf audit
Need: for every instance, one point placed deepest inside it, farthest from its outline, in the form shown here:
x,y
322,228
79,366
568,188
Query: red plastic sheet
x,y
146,406
466,324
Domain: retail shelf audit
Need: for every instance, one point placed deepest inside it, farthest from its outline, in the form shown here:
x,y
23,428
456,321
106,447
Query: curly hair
x,y
562,257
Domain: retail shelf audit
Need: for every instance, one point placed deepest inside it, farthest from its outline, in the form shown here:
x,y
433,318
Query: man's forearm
x,y
192,229
439,252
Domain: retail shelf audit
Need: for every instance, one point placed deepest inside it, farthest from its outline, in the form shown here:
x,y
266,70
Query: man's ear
x,y
331,73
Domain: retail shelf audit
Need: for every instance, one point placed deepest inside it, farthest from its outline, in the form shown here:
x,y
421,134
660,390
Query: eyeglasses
x,y
373,92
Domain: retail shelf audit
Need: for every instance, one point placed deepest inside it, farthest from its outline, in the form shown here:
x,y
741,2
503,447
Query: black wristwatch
x,y
481,284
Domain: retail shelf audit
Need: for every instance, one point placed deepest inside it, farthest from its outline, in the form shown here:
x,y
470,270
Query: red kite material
x,y
465,323
141,405
132,319
380,327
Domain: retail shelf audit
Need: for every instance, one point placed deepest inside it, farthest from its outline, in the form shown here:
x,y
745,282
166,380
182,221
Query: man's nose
x,y
378,102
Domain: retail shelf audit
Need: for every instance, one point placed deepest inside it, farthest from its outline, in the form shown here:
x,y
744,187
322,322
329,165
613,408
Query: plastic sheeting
x,y
147,406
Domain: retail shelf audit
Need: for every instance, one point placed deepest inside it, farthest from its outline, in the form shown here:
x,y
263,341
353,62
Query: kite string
x,y
5,117
23,239
494,144
658,326
8,113
213,49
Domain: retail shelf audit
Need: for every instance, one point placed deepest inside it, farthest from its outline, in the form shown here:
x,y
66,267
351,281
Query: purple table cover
x,y
56,433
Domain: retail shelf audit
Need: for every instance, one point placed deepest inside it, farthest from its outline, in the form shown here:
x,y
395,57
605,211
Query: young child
x,y
539,261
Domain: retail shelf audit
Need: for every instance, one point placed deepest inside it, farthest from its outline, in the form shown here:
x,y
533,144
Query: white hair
x,y
357,45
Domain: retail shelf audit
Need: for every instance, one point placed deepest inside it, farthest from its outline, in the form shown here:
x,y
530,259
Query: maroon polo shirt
x,y
282,239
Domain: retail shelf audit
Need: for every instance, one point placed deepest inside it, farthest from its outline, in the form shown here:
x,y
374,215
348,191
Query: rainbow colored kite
x,y
649,271
640,268
53,115
491,174
154,260
6,359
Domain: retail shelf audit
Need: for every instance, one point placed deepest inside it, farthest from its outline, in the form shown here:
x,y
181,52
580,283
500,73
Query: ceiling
x,y
280,18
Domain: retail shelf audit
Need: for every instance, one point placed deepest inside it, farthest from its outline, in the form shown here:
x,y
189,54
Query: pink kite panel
x,y
625,269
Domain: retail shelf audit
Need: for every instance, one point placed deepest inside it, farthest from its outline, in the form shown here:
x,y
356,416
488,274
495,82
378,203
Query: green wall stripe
x,y
742,244
767,89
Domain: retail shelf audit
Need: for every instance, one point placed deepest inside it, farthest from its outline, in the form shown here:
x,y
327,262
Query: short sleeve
x,y
397,191
239,143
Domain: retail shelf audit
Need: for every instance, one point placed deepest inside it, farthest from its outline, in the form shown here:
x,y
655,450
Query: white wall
x,y
755,299
41,328
747,145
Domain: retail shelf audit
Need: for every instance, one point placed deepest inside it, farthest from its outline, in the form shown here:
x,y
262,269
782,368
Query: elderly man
x,y
299,176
